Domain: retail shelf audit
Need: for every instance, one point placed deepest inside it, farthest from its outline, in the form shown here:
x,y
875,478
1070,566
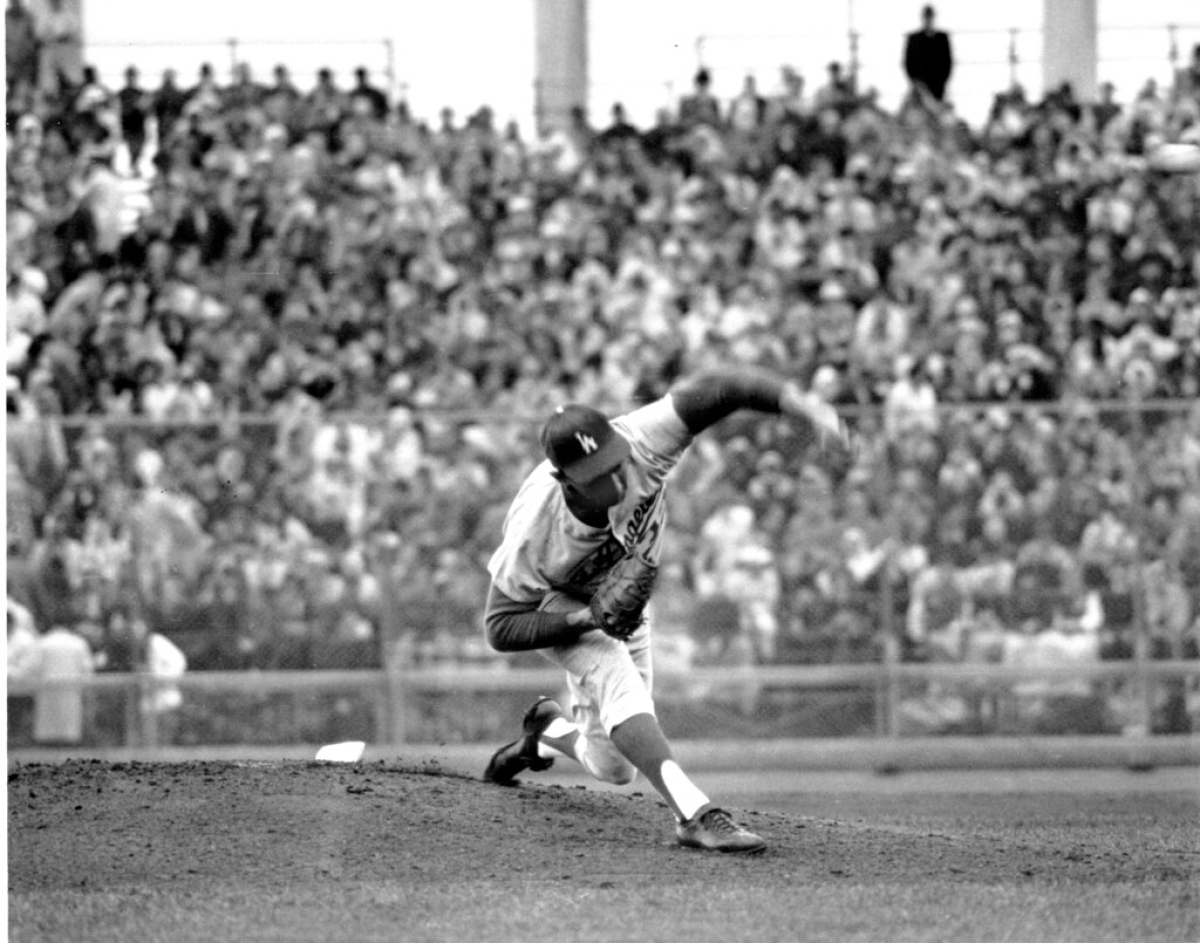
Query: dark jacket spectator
x,y
928,59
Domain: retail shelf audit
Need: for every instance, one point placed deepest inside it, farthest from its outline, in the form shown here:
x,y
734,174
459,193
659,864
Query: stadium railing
x,y
410,706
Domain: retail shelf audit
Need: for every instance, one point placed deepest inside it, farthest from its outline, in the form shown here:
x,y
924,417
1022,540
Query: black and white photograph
x,y
683,471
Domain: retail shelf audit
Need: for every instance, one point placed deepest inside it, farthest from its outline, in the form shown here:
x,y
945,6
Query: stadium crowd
x,y
275,412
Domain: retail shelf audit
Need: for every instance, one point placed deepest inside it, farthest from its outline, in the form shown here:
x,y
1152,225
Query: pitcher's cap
x,y
581,443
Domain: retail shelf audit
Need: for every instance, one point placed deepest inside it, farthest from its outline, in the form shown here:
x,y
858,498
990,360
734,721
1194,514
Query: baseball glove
x,y
621,596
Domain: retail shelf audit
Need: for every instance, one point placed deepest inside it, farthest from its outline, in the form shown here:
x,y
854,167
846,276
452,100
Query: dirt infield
x,y
388,850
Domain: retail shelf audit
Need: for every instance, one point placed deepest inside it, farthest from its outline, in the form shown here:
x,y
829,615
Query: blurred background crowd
x,y
277,357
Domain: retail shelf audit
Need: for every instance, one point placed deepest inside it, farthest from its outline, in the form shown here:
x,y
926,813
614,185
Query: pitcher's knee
x,y
612,769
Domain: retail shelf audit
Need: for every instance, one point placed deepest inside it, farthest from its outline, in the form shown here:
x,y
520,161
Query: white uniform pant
x,y
609,681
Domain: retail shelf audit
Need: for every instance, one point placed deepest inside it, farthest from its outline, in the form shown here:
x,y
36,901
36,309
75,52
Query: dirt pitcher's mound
x,y
95,824
306,851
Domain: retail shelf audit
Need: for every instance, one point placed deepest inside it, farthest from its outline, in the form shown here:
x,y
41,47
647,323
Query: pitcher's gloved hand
x,y
622,595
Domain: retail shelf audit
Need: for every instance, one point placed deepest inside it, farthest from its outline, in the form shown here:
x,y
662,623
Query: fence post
x,y
146,703
393,688
1141,626
890,703
887,695
133,711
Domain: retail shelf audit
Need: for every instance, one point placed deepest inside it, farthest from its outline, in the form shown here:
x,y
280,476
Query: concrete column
x,y
561,59
62,58
1069,46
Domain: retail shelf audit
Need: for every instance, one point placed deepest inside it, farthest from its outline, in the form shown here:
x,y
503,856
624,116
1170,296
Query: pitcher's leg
x,y
605,687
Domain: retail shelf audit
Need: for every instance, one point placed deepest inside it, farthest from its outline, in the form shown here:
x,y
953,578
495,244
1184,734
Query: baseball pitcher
x,y
574,570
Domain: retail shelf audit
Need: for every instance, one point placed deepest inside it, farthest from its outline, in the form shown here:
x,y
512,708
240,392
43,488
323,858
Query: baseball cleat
x,y
522,754
714,830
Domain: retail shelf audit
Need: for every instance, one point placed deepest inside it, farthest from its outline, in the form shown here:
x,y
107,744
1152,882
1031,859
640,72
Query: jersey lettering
x,y
538,553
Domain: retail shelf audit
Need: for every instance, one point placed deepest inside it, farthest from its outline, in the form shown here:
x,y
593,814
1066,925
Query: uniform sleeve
x,y
518,565
657,432
514,626
708,397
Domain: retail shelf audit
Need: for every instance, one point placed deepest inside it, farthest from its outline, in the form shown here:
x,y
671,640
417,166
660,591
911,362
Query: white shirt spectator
x,y
753,582
63,657
402,450
25,313
164,663
881,331
21,650
104,198
911,402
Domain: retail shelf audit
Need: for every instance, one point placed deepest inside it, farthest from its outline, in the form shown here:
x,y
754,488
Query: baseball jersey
x,y
545,547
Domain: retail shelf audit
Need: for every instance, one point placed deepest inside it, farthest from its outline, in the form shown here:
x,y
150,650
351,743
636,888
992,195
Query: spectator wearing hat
x,y
701,106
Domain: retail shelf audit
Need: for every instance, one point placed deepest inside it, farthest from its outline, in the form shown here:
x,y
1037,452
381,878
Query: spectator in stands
x,y
243,93
64,659
1069,706
204,98
910,405
937,599
375,99
882,331
748,109
21,654
701,106
134,104
754,585
839,94
101,201
620,132
721,641
1187,79
50,586
790,102
163,664
928,60
167,105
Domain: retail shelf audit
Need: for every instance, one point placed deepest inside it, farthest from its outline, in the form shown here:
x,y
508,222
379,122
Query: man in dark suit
x,y
928,60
